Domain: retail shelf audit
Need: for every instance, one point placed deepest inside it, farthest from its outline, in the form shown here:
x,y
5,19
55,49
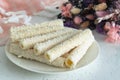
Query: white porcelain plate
x,y
38,67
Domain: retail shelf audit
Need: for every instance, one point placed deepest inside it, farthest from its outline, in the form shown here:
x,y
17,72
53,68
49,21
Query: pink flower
x,y
113,34
77,20
66,10
67,14
101,13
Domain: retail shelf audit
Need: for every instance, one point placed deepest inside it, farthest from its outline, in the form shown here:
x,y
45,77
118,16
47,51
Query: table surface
x,y
105,67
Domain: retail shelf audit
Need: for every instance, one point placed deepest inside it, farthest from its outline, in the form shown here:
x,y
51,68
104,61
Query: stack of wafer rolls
x,y
29,42
40,48
58,46
67,45
29,54
29,31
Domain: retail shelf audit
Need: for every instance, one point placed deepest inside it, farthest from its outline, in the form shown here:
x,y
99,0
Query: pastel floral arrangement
x,y
11,19
102,15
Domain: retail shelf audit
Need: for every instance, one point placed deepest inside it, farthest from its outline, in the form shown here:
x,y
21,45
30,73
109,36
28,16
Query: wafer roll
x,y
67,45
76,54
30,42
24,28
44,24
46,28
28,54
40,48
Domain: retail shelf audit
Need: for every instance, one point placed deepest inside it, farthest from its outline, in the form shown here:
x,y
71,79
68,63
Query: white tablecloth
x,y
105,67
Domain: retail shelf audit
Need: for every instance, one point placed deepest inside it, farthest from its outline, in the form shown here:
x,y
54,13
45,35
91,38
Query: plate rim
x,y
8,54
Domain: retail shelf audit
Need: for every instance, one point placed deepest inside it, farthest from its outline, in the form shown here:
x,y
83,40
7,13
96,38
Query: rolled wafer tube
x,y
77,53
24,28
40,48
30,42
58,22
28,54
49,27
67,45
